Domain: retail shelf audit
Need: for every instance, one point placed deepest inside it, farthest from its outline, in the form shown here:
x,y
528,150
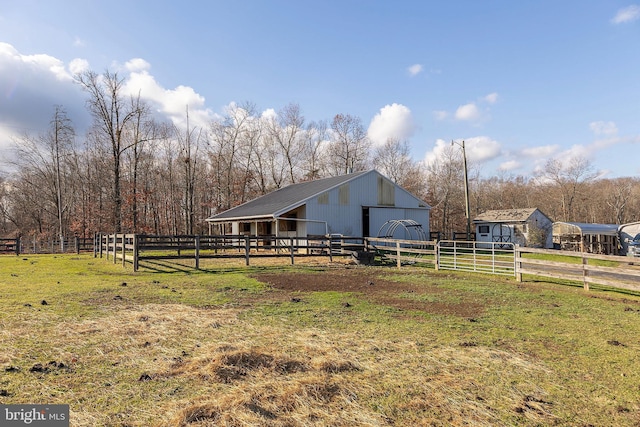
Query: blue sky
x,y
519,81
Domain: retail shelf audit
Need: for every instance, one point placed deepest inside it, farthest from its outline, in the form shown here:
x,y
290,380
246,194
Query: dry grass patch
x,y
315,378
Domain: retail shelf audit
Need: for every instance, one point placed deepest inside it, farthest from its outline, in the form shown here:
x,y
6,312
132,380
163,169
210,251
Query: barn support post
x,y
247,249
197,245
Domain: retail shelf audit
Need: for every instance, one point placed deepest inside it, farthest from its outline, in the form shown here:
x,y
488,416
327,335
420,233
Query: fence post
x,y
136,261
517,265
585,272
247,248
398,254
115,247
291,248
437,255
197,244
124,249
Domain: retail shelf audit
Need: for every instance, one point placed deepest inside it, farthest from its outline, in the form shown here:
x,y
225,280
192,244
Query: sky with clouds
x,y
519,82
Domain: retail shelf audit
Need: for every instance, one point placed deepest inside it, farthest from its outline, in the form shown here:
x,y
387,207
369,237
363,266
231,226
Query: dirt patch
x,y
374,286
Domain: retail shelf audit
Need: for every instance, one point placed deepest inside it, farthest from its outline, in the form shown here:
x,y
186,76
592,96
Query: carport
x,y
586,237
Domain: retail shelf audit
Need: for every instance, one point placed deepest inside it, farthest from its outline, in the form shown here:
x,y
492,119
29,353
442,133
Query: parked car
x,y
634,246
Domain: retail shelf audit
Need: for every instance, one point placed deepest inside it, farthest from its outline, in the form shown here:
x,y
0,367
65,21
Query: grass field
x,y
313,345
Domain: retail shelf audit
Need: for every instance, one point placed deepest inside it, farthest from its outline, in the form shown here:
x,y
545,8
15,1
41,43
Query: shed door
x,y
501,233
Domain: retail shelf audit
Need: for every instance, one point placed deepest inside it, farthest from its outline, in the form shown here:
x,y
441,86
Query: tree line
x,y
131,172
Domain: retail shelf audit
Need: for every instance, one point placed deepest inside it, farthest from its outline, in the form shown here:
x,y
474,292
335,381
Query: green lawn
x,y
171,346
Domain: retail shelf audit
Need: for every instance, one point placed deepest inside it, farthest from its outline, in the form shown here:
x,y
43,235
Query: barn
x,y
357,205
524,227
627,232
586,237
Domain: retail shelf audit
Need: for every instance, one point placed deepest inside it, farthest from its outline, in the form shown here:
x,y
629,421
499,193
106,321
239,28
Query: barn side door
x,y
365,222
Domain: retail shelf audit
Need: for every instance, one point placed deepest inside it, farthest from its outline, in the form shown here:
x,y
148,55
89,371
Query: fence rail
x,y
134,248
498,258
407,251
479,257
621,273
24,245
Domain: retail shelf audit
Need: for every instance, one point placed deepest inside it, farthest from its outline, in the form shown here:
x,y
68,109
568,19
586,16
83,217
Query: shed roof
x,y
284,199
584,228
505,215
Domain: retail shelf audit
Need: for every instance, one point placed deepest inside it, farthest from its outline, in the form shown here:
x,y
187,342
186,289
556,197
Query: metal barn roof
x,y
284,199
560,228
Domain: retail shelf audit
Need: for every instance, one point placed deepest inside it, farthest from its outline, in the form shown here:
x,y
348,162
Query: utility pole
x,y
466,187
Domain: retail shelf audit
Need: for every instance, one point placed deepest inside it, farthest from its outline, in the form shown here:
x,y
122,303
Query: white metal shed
x,y
627,232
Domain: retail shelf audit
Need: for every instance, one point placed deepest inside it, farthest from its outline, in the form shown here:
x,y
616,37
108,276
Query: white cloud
x,y
542,151
437,152
31,87
77,66
603,128
509,165
467,112
627,14
415,69
269,114
393,121
492,98
137,65
440,115
78,42
471,112
172,103
479,149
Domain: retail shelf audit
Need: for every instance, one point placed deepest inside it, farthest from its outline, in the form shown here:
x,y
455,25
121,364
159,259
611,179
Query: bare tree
x,y
393,159
189,143
286,131
569,178
314,144
349,148
111,114
141,131
445,190
43,162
